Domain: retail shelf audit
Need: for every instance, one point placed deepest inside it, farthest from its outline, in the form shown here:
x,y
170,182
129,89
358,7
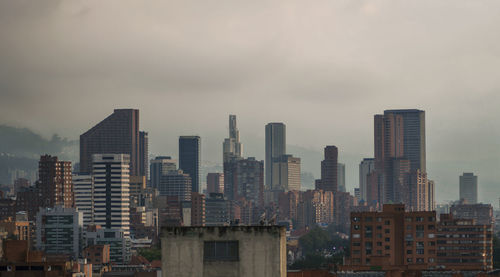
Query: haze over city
x,y
324,70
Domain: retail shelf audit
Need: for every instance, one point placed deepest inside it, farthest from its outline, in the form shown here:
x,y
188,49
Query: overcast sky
x,y
322,67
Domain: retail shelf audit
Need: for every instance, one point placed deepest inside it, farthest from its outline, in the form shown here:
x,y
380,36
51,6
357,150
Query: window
x,y
356,227
355,219
387,231
409,252
387,222
368,219
387,247
379,227
387,239
419,219
355,236
409,260
408,219
221,251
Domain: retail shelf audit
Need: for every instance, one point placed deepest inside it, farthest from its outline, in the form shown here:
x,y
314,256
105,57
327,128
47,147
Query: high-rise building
x,y
111,191
197,209
341,177
117,134
176,183
232,147
430,197
215,183
328,181
286,173
366,167
189,159
161,165
217,212
275,148
481,213
249,181
83,185
118,240
59,231
55,182
468,188
399,137
143,153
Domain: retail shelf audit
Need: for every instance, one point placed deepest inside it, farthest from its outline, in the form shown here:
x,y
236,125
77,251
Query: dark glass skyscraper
x,y
117,134
143,153
329,171
275,148
189,159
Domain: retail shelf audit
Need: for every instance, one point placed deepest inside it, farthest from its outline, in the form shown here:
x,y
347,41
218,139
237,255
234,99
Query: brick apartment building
x,y
395,239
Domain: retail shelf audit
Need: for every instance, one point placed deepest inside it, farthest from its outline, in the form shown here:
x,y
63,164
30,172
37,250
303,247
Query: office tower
x,y
143,153
215,183
286,173
366,167
275,148
59,231
117,134
468,188
137,188
217,210
328,181
176,183
83,186
399,137
232,147
189,159
160,166
249,181
111,191
341,177
55,182
430,197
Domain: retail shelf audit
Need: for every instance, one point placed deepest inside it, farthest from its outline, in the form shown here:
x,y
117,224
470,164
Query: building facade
x,y
59,231
143,153
189,159
116,134
468,188
176,183
111,191
224,251
341,177
275,148
215,183
160,166
328,181
83,185
55,182
286,173
366,167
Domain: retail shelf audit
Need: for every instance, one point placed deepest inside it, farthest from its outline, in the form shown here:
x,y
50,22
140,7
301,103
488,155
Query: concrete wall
x,y
262,251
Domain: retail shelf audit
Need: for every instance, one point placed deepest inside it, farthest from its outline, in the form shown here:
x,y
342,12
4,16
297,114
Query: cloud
x,y
325,68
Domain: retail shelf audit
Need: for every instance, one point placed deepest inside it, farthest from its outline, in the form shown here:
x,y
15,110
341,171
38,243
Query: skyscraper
x,y
84,196
111,191
143,153
176,183
286,173
232,147
399,137
215,183
117,134
55,182
249,181
468,188
189,159
275,148
328,181
341,176
366,167
160,166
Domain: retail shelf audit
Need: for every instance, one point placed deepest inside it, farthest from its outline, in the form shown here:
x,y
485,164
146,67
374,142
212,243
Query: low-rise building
x,y
224,251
